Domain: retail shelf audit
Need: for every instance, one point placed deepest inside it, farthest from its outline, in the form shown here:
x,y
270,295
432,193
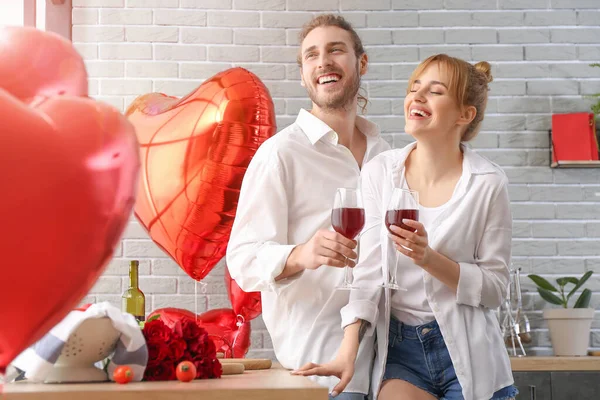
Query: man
x,y
281,242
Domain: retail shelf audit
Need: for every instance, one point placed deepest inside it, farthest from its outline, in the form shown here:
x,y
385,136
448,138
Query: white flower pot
x,y
569,330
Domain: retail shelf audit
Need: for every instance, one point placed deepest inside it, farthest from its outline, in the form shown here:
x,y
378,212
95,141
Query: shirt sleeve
x,y
363,303
485,282
258,247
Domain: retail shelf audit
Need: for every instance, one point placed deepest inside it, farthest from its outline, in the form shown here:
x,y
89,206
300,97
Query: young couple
x,y
439,339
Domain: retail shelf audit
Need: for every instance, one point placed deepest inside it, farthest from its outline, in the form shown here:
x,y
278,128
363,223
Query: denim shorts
x,y
419,356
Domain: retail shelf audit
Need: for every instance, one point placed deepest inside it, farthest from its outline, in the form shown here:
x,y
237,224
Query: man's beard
x,y
341,100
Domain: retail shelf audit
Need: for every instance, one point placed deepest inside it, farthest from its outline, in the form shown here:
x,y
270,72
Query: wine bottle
x,y
133,299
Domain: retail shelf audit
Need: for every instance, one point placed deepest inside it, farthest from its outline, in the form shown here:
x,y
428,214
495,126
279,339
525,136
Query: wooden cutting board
x,y
248,363
232,368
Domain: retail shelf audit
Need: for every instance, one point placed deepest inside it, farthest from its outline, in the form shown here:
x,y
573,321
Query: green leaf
x,y
549,297
154,317
595,65
568,279
580,283
584,300
542,283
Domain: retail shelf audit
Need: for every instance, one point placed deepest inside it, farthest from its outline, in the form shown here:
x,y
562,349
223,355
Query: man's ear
x,y
363,64
467,115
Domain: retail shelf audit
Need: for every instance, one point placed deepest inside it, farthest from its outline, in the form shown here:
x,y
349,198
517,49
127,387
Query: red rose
x,y
187,356
191,330
196,345
157,351
203,368
177,332
210,349
203,346
207,368
164,371
178,348
156,329
217,368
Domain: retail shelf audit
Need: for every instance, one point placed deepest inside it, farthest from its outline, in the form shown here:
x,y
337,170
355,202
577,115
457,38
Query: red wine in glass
x,y
348,221
395,217
403,204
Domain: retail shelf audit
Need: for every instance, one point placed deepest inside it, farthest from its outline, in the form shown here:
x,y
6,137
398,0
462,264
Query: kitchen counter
x,y
532,363
270,384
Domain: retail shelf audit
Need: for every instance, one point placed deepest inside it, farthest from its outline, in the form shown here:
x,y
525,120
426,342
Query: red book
x,y
574,137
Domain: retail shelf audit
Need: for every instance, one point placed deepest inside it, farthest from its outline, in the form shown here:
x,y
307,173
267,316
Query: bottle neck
x,y
133,276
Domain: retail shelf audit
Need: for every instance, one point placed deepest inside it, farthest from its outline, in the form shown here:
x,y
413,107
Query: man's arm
x,y
258,249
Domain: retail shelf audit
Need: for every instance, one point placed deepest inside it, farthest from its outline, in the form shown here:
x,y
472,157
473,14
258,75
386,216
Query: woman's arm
x,y
343,364
482,283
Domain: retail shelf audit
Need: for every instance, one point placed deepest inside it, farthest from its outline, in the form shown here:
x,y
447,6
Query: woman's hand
x,y
417,242
342,367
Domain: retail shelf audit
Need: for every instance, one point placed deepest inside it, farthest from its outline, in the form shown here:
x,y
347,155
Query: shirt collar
x,y
315,129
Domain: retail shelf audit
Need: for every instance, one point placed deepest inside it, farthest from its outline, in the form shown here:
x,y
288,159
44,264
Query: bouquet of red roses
x,y
186,341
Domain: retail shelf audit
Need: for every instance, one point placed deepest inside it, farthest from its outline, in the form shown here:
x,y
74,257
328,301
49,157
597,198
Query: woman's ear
x,y
467,115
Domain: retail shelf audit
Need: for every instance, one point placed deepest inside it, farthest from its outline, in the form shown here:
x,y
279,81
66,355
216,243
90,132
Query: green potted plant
x,y
569,326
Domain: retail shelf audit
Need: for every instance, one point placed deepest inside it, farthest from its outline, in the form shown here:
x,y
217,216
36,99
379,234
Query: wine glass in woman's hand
x,y
404,204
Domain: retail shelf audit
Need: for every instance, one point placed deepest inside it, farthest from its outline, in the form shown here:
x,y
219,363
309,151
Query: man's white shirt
x,y
286,197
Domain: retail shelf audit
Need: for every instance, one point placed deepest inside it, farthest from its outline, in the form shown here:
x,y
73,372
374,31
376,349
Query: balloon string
x,y
239,322
202,291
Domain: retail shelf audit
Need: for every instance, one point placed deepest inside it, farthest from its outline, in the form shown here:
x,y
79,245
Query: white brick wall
x,y
539,50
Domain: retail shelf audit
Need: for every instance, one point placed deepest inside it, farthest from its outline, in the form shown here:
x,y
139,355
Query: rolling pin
x,y
232,368
248,363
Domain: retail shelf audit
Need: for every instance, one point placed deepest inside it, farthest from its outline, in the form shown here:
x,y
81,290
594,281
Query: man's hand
x,y
324,248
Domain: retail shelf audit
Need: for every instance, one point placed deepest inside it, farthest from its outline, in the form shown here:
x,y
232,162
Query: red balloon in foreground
x,y
68,177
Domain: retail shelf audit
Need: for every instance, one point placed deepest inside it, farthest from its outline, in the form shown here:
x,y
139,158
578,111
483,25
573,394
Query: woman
x,y
439,339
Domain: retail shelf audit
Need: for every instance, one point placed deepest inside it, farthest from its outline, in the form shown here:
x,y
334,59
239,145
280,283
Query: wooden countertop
x,y
532,363
270,384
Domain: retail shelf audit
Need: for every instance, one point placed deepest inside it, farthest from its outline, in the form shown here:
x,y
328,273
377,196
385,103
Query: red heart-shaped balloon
x,y
39,64
194,152
230,335
68,176
246,304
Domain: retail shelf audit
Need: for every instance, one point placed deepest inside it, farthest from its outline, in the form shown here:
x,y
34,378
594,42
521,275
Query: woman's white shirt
x,y
475,230
411,306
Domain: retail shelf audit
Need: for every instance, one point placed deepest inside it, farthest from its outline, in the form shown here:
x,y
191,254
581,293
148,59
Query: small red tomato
x,y
123,374
186,371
